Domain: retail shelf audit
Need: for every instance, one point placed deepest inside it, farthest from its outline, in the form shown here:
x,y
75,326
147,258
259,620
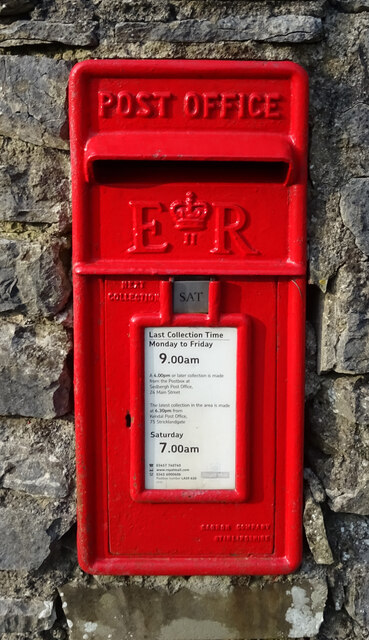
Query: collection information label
x,y
190,407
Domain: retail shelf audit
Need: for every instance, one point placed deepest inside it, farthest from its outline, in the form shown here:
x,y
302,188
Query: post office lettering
x,y
207,105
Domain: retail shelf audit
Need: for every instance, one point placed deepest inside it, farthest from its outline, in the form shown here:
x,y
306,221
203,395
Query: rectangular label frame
x,y
164,319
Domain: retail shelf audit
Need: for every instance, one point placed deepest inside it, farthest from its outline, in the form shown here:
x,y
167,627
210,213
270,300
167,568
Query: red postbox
x,y
189,181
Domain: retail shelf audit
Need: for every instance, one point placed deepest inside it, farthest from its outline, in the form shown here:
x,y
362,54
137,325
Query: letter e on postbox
x,y
189,188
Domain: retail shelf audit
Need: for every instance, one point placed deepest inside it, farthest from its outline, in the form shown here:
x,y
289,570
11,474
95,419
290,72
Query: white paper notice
x,y
190,407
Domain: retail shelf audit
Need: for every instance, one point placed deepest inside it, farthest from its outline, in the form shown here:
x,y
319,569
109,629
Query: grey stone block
x,y
338,430
353,134
338,625
354,207
352,6
24,540
329,243
70,12
36,32
9,293
246,9
349,536
29,526
42,280
34,184
37,495
315,485
339,149
350,580
357,594
278,29
31,473
291,28
37,457
315,531
343,332
114,11
24,615
33,277
204,609
33,99
34,378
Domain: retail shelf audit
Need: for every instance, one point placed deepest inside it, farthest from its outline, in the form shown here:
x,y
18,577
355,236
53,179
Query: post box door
x,y
206,527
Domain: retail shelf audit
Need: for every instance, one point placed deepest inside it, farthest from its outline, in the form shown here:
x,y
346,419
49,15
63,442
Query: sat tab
x,y
189,259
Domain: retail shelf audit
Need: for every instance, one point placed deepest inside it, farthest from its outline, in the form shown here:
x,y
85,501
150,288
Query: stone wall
x,y
43,594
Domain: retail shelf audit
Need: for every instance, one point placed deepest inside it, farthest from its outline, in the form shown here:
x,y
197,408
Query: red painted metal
x,y
156,144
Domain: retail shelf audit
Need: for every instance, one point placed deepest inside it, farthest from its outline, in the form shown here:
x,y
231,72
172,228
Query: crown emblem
x,y
190,213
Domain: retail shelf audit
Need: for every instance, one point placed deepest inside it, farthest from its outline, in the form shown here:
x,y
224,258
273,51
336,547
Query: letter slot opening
x,y
147,172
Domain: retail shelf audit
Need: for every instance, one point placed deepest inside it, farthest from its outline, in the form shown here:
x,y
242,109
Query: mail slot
x,y
189,181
